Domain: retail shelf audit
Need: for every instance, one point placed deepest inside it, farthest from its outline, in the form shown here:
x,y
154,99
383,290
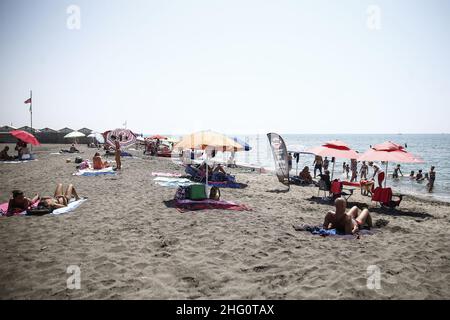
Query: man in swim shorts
x,y
348,223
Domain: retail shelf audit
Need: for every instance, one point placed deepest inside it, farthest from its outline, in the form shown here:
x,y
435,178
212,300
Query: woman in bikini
x,y
60,199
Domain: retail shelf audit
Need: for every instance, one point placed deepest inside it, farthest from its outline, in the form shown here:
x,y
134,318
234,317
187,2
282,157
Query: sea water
x,y
434,149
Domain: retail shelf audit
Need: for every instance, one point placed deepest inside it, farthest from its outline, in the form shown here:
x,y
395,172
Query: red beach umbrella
x,y
157,136
336,149
389,151
25,136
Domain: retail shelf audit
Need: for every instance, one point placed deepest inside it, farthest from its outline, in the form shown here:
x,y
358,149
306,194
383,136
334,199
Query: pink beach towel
x,y
4,209
191,205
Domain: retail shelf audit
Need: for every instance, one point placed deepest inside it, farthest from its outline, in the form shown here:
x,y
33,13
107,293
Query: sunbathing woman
x,y
59,200
98,163
19,203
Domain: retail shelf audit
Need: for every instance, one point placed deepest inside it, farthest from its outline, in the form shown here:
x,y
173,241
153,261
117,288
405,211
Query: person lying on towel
x,y
348,223
19,202
60,199
98,163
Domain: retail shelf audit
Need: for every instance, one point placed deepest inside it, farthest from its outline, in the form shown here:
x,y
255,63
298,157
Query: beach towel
x,y
173,182
4,209
166,174
92,172
18,161
70,207
193,205
227,184
320,231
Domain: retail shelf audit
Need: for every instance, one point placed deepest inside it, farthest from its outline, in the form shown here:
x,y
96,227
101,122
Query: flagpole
x,y
31,114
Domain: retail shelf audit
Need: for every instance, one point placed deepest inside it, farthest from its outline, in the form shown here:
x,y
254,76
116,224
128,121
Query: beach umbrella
x,y
336,149
209,141
389,152
246,146
25,137
140,139
74,134
125,137
157,136
97,136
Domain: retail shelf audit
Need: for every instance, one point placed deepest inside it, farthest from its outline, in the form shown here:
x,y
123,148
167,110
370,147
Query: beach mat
x,y
195,205
173,182
167,174
92,172
227,184
320,231
18,161
73,204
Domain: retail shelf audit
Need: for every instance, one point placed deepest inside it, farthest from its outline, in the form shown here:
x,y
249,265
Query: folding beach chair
x,y
322,184
338,191
384,197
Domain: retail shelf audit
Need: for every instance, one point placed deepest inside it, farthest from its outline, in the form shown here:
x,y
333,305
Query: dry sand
x,y
130,245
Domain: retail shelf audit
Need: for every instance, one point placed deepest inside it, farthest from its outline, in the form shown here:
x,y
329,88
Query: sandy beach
x,y
129,244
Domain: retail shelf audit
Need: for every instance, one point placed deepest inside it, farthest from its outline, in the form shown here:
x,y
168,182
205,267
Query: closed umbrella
x,y
25,137
209,141
389,152
336,149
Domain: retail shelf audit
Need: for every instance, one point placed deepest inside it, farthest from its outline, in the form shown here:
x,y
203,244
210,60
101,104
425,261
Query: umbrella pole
x,y
332,170
206,166
386,174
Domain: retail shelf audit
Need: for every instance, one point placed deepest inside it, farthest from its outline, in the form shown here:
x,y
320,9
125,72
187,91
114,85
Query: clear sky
x,y
230,66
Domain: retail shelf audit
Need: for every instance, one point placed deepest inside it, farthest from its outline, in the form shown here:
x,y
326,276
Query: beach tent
x,y
336,149
125,137
208,141
25,137
389,152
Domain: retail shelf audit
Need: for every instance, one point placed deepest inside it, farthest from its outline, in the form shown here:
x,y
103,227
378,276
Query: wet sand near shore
x,y
129,244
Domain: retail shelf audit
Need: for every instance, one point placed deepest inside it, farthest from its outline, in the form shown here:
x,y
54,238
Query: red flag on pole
x,y
27,101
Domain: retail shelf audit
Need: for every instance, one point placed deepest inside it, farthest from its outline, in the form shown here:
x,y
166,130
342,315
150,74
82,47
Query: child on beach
x,y
347,169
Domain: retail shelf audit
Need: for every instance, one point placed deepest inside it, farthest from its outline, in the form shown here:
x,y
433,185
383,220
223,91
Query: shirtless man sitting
x,y
349,222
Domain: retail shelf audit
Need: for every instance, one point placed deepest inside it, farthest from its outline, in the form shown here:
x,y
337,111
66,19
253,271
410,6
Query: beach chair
x,y
338,190
322,184
384,197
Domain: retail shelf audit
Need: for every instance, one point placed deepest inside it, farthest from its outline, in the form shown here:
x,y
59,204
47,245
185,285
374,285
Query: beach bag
x,y
182,193
214,193
197,192
78,160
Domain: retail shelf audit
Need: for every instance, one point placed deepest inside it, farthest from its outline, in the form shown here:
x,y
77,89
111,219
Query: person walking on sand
x,y
348,223
117,152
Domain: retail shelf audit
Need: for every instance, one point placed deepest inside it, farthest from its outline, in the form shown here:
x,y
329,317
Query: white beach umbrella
x,y
74,134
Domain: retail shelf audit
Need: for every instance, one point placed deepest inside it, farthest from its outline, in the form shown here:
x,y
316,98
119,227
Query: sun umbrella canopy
x,y
246,146
97,136
125,137
208,140
157,136
74,134
25,136
336,148
390,152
